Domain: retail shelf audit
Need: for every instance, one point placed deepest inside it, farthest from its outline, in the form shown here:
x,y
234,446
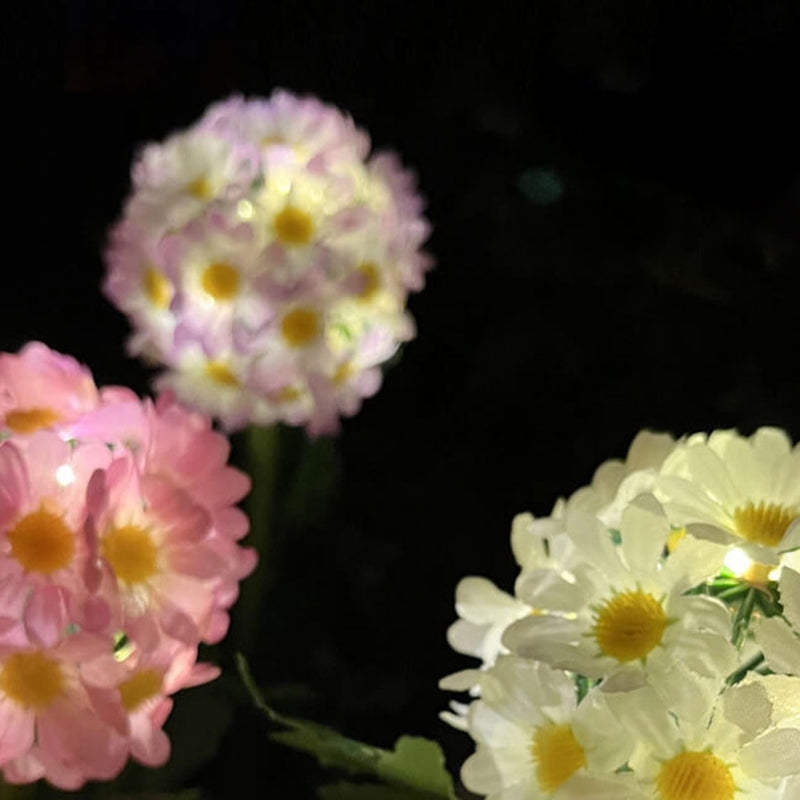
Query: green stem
x,y
742,619
735,677
262,457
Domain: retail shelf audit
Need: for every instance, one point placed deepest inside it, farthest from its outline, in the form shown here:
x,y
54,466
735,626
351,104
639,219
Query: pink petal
x,y
197,561
149,745
16,730
232,522
13,483
46,616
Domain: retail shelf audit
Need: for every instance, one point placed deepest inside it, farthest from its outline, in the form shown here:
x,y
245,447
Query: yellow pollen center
x,y
139,687
200,189
557,755
42,542
31,680
220,281
156,287
286,394
674,539
221,373
293,226
630,625
131,552
300,327
765,523
343,372
692,776
370,281
30,419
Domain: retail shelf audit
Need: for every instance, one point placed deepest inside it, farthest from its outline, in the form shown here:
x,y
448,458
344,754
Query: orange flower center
x,y
300,327
28,420
31,680
131,552
293,227
42,542
139,687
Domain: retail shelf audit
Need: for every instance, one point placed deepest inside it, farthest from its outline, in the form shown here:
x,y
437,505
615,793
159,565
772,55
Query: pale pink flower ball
x,y
265,260
119,554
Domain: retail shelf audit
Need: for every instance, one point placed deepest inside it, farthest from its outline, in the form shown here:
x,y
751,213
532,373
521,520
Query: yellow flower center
x,y
370,281
695,776
42,542
131,552
200,189
765,523
220,281
31,419
630,625
221,373
557,755
139,687
293,227
156,287
286,394
343,372
300,327
31,680
674,539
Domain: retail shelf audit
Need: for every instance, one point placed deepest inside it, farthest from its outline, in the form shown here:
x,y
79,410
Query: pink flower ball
x,y
265,261
119,554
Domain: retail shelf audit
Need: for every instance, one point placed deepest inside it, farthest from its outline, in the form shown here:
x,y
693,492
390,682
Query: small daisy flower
x,y
266,262
43,509
602,496
744,744
534,740
40,389
624,607
49,721
741,491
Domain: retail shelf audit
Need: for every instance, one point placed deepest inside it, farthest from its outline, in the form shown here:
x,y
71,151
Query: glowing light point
x,y
65,475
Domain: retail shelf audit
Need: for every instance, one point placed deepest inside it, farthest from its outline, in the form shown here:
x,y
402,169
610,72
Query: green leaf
x,y
419,763
415,763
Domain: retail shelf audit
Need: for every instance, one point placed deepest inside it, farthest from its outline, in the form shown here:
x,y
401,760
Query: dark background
x,y
659,290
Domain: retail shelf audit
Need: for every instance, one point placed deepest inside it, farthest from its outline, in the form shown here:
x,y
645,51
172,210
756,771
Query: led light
x,y
244,208
738,562
65,475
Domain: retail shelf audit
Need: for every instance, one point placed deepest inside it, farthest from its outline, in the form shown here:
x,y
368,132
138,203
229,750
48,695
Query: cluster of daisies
x,y
118,556
265,261
651,647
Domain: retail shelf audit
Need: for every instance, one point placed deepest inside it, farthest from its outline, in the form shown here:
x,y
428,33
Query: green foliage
x,y
416,764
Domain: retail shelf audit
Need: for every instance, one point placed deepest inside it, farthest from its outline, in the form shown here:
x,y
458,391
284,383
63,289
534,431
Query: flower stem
x,y
736,676
262,455
741,620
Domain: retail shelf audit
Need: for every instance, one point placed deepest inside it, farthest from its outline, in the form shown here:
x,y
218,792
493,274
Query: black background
x,y
659,291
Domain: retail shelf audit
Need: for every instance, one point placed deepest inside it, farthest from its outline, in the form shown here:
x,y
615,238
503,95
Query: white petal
x,y
694,560
546,590
748,707
790,596
523,690
780,645
775,754
583,786
644,530
461,681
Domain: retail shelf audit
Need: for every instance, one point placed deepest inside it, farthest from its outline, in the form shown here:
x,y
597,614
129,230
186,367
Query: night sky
x,y
615,196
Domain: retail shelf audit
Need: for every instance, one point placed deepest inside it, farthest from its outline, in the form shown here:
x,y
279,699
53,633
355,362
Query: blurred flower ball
x,y
118,556
265,261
